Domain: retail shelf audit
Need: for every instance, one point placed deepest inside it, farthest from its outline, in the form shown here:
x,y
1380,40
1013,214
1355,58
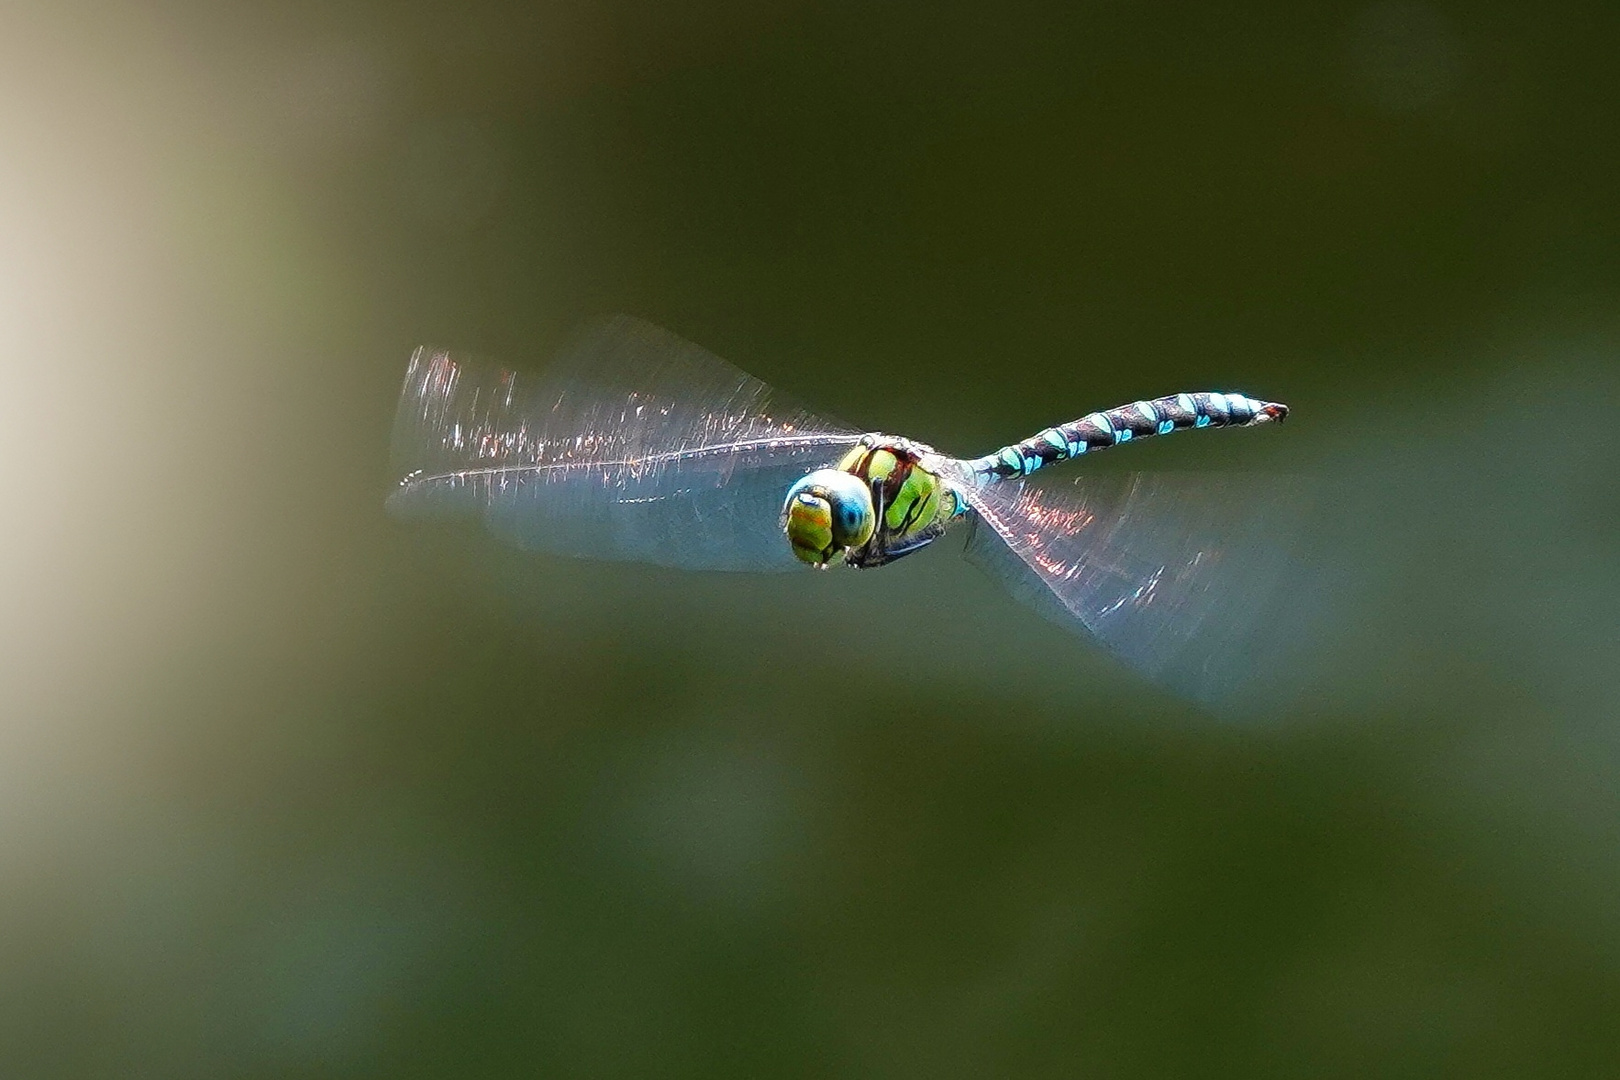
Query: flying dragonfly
x,y
638,445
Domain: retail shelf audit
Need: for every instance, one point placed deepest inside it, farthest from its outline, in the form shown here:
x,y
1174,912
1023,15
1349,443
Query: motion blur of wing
x,y
1195,579
634,444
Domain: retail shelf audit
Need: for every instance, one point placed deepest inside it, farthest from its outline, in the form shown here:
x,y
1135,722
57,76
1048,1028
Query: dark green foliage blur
x,y
290,790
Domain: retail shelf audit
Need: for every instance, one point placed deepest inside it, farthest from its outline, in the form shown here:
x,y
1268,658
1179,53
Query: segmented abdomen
x,y
1140,419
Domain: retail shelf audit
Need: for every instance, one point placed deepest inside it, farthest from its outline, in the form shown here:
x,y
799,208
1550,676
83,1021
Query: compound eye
x,y
843,498
852,513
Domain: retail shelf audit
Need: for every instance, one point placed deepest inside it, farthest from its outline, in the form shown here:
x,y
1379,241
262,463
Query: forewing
x,y
635,444
1184,576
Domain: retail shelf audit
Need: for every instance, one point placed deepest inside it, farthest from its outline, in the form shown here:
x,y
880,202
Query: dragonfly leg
x,y
871,552
876,554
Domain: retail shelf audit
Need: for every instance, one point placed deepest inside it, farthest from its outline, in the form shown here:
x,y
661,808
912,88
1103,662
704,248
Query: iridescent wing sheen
x,y
635,444
1183,576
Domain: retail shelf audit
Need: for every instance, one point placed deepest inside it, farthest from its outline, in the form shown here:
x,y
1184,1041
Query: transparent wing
x,y
1191,578
635,444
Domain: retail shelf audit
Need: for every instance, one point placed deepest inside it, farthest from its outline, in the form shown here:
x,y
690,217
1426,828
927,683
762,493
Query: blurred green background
x,y
289,790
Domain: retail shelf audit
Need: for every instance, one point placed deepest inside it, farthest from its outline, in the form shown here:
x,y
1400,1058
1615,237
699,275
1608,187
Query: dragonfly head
x,y
826,513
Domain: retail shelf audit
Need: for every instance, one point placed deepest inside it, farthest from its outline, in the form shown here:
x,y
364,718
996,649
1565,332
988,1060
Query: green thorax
x,y
910,497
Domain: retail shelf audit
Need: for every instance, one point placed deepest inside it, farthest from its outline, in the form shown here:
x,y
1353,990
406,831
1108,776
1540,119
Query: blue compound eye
x,y
848,504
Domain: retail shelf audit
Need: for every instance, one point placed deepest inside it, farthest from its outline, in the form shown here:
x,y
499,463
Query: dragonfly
x,y
635,444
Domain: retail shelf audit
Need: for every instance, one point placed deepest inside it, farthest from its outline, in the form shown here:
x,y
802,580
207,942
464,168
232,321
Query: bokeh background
x,y
290,790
